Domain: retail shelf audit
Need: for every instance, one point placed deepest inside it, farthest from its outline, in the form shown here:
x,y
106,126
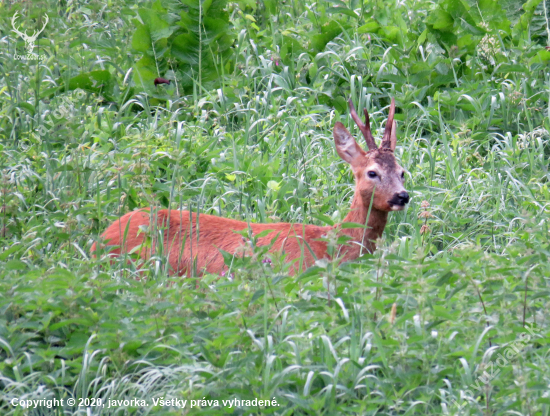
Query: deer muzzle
x,y
399,200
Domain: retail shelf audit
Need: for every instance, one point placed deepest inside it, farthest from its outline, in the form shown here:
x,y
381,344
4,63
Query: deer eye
x,y
371,173
403,175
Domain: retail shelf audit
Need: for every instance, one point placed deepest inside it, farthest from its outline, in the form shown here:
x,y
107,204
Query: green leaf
x,y
444,279
442,312
312,271
4,255
507,68
132,346
392,33
290,48
141,41
263,233
441,20
346,225
542,57
328,32
422,37
257,295
274,185
28,107
465,41
99,82
227,257
492,14
145,73
370,27
82,81
158,28
15,265
323,218
206,6
342,10
157,6
523,24
185,47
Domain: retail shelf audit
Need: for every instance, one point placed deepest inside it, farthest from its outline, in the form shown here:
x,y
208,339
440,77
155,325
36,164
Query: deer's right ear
x,y
346,146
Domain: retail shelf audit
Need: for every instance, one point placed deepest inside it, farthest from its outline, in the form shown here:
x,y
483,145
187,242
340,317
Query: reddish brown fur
x,y
216,233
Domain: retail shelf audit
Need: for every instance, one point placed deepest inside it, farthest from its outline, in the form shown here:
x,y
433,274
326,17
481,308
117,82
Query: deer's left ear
x,y
346,146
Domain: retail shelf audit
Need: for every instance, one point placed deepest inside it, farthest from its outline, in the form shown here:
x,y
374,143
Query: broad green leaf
x,y
185,47
370,27
523,24
441,20
141,41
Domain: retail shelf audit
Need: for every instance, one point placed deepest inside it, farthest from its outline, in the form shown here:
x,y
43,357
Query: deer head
x,y
29,40
376,171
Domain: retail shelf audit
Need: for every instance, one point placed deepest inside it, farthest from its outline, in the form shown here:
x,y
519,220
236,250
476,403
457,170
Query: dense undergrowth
x,y
449,316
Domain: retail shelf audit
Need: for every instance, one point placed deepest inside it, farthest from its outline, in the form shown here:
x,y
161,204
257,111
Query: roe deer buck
x,y
376,172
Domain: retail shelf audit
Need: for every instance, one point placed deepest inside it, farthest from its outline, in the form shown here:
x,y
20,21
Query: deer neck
x,y
363,240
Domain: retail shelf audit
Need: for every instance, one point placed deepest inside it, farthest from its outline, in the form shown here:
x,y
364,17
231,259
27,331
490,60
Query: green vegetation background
x,y
244,131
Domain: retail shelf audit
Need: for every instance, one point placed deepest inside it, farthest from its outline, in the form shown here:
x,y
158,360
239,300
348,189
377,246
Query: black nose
x,y
403,196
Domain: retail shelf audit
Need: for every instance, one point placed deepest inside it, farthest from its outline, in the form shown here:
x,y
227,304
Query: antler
x,y
38,32
393,141
388,137
24,35
365,128
13,19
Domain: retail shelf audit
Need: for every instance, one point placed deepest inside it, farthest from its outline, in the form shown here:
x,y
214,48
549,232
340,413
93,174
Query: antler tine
x,y
393,137
45,22
365,128
386,140
13,19
38,32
